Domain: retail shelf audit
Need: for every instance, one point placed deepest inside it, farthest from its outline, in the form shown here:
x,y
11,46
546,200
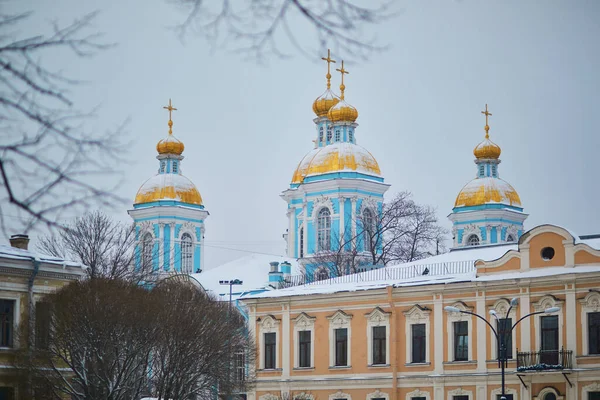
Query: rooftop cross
x,y
171,109
487,127
343,72
329,61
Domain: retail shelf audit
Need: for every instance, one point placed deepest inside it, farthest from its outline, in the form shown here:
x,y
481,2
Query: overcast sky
x,y
246,126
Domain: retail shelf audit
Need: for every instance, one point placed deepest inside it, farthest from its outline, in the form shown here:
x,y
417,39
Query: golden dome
x,y
170,144
487,190
342,111
487,149
324,102
168,187
336,157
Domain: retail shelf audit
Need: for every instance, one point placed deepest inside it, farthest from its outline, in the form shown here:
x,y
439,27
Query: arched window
x,y
338,135
550,396
321,135
321,274
368,231
510,238
301,242
351,136
147,250
473,240
187,255
324,230
329,134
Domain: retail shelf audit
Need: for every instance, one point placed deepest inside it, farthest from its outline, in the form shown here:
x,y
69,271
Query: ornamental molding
x,y
470,230
378,395
458,316
268,396
340,319
591,302
547,390
378,316
304,321
340,395
269,323
418,393
146,227
546,302
368,203
594,387
319,203
498,391
460,392
417,314
512,230
501,306
303,396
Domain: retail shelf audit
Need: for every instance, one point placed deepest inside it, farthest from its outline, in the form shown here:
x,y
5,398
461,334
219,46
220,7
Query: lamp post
x,y
230,283
501,337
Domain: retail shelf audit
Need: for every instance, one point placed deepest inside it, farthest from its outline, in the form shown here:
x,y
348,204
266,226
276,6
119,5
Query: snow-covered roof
x,y
13,253
252,269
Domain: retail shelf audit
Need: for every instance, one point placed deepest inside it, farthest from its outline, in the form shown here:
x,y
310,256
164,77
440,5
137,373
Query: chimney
x,y
275,276
286,268
19,241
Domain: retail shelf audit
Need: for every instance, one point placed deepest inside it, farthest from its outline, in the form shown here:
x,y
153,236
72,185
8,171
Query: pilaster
x,y
525,325
438,335
285,341
570,314
482,335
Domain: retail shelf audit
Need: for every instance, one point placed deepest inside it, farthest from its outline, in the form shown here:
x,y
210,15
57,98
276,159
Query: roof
x,y
13,253
252,270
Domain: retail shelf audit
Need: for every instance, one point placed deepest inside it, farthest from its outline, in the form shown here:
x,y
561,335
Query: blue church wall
x,y
177,257
167,248
198,234
347,223
156,229
459,233
487,207
479,221
335,234
493,235
519,233
138,257
483,233
503,233
137,232
310,238
196,258
155,251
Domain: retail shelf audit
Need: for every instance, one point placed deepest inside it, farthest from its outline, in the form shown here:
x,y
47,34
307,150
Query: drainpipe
x,y
394,342
30,318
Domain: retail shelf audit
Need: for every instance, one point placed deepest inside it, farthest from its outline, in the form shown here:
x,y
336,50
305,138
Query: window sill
x,y
304,368
419,364
510,360
459,362
269,370
378,365
588,356
340,367
8,348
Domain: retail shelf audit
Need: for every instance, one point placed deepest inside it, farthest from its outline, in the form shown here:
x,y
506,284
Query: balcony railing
x,y
544,360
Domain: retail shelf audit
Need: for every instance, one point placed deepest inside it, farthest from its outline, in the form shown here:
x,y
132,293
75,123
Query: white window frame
x,y
378,395
589,304
378,317
16,317
593,387
544,303
304,322
190,259
326,229
269,396
460,392
498,391
545,391
417,315
501,306
340,395
418,393
456,317
339,320
269,324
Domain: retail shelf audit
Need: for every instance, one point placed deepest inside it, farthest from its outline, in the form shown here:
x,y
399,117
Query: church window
x,y
186,253
301,242
494,171
329,134
162,166
368,230
174,167
321,274
324,230
473,240
547,253
351,136
338,135
510,238
147,250
481,170
7,316
321,135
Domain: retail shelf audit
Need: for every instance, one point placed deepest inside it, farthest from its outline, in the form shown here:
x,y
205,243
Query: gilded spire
x,y
487,127
329,61
342,86
171,109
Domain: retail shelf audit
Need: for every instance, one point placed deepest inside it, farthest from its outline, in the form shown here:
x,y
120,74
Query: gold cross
x,y
487,127
329,61
170,108
343,72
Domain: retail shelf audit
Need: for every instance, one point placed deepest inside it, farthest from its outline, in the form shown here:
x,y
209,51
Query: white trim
x,y
456,317
498,391
378,395
418,393
501,307
269,396
460,392
378,317
302,323
589,304
340,395
268,324
593,387
340,320
303,396
417,315
543,304
546,391
16,317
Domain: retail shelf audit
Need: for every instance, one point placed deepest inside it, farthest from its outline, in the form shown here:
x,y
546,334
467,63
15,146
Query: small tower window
x,y
368,229
351,136
329,134
174,167
495,171
187,256
338,135
147,251
321,134
481,170
324,230
162,166
473,240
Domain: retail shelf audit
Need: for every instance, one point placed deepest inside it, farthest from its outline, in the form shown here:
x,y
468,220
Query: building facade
x,y
391,336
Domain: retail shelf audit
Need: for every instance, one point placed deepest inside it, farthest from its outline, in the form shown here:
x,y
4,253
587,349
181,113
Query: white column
x,y
161,246
525,325
353,222
481,391
285,341
438,334
172,246
341,200
305,213
570,314
482,333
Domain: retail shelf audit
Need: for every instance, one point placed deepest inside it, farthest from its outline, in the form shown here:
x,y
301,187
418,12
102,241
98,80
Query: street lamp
x,y
501,339
230,283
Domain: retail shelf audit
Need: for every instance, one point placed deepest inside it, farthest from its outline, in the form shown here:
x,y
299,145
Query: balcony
x,y
544,360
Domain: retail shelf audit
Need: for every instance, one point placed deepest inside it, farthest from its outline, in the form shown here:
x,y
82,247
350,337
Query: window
x,y
418,343
322,274
417,398
379,345
495,174
240,366
549,339
593,395
324,230
481,170
7,320
368,230
461,341
7,393
510,238
341,347
321,135
304,349
503,327
473,240
329,134
547,253
301,242
593,320
507,396
174,167
162,166
187,254
270,350
42,325
550,396
351,136
147,250
338,135
460,397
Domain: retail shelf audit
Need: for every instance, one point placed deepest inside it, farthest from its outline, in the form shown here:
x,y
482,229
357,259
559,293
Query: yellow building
x,y
386,334
25,277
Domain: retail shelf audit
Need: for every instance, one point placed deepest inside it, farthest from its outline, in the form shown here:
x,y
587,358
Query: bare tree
x,y
105,246
47,157
258,28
